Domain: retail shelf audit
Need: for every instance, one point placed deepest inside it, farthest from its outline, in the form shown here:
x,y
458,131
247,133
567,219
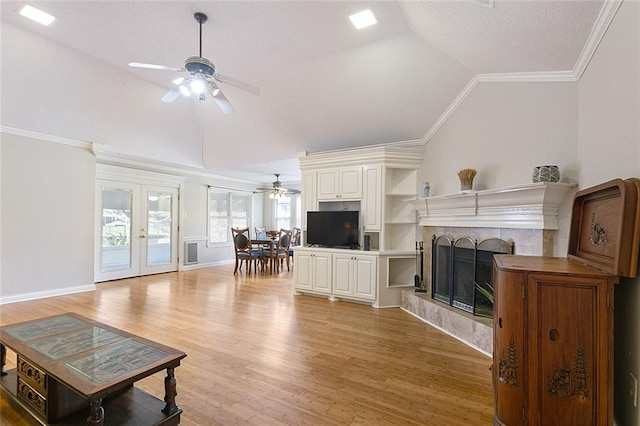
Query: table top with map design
x,y
90,357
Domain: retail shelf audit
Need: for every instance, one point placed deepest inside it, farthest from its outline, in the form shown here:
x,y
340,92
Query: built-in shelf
x,y
528,206
401,271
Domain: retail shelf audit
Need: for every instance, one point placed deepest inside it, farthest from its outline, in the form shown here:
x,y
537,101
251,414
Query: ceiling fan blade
x,y
220,98
237,83
153,66
171,95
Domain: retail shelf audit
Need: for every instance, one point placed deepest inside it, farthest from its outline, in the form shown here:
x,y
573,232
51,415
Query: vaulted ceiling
x,y
324,84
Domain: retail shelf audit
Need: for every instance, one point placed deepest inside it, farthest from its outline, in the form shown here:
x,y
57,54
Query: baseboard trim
x,y
206,265
44,294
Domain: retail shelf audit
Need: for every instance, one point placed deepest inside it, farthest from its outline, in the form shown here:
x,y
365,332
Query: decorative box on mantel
x,y
528,206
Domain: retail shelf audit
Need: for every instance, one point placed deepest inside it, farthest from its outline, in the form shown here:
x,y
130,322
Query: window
x,y
283,213
226,210
288,211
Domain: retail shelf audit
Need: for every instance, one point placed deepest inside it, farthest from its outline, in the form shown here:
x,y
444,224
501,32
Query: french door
x,y
136,231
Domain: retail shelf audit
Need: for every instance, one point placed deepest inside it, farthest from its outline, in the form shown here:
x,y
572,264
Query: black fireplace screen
x,y
462,272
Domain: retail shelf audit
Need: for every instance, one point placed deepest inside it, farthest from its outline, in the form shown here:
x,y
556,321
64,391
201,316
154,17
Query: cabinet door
x,y
309,196
508,347
342,275
328,184
350,182
569,368
372,198
303,270
321,272
365,276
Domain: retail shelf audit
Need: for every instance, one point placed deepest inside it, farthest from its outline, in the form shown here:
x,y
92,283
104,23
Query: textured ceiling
x,y
324,85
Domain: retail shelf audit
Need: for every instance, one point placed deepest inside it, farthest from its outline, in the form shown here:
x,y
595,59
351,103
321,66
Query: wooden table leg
x,y
271,261
3,359
170,393
96,413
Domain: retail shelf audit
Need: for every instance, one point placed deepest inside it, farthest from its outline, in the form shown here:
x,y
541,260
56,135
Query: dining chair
x,y
261,233
295,240
245,252
280,252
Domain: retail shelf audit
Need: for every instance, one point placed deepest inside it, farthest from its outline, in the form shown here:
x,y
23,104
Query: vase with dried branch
x,y
466,178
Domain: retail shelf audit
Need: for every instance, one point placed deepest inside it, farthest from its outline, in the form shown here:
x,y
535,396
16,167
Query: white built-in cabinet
x,y
372,200
343,183
309,194
354,275
375,181
312,271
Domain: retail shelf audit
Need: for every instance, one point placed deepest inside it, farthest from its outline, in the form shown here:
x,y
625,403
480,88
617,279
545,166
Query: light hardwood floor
x,y
257,355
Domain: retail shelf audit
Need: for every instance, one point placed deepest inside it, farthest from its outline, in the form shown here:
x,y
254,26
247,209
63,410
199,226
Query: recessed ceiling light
x,y
37,15
363,19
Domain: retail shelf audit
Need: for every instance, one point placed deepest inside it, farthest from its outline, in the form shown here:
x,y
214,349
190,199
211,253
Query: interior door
x,y
136,232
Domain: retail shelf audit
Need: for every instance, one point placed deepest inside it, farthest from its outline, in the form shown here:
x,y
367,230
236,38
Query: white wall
x,y
609,147
590,129
58,91
504,130
609,103
47,230
47,218
194,215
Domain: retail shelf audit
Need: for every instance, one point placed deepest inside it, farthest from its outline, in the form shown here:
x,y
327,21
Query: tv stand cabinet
x,y
371,277
376,181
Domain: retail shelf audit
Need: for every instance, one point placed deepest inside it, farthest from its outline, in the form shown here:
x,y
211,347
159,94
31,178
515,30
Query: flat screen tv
x,y
333,228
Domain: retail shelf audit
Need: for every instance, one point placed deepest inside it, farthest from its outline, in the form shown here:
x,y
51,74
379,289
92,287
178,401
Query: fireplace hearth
x,y
462,272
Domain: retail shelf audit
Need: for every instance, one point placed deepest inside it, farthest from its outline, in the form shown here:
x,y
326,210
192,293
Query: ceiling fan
x,y
201,77
277,190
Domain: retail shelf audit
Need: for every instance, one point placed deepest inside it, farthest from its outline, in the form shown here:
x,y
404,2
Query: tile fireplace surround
x,y
526,214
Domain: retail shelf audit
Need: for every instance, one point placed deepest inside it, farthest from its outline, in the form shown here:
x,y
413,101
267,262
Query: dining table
x,y
271,242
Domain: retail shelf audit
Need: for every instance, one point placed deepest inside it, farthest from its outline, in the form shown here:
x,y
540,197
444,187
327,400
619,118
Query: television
x,y
333,228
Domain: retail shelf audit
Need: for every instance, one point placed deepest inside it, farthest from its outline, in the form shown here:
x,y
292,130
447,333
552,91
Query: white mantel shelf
x,y
528,206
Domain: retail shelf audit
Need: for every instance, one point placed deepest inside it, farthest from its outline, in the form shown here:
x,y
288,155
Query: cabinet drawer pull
x,y
500,322
554,335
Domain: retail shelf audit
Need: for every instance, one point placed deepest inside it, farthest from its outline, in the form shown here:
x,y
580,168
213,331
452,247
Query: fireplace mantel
x,y
528,206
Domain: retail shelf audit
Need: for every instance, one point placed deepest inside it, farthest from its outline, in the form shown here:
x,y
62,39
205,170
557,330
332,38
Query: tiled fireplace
x,y
525,215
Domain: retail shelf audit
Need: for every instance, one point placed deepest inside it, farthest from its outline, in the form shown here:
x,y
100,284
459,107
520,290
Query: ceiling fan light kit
x,y
201,79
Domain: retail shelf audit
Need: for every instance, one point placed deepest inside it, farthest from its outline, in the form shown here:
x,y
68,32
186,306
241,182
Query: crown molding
x,y
47,138
528,77
388,155
160,167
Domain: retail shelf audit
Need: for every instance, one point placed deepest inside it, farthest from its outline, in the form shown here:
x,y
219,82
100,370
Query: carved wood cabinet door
x,y
570,352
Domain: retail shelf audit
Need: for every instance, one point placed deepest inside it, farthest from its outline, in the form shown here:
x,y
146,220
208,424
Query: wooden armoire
x,y
553,317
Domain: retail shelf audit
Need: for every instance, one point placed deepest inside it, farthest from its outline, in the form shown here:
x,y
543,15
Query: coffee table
x,y
74,370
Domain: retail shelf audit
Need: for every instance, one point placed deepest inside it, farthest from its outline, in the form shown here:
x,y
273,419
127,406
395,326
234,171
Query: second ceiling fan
x,y
277,190
202,77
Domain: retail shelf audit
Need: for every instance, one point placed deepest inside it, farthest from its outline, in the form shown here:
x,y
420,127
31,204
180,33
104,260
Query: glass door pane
x,y
116,229
159,235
